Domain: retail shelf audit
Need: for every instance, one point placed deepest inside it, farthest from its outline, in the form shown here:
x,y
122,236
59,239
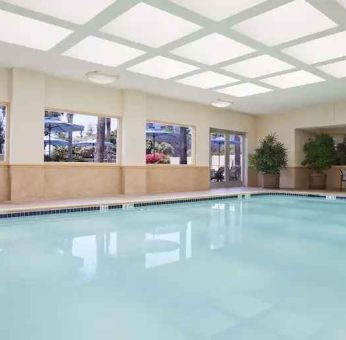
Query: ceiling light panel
x,y
161,67
244,90
103,52
293,79
150,26
217,10
291,21
337,69
322,49
213,49
27,32
76,11
207,80
258,66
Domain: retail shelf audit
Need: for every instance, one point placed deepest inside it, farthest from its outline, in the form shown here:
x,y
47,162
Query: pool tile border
x,y
105,207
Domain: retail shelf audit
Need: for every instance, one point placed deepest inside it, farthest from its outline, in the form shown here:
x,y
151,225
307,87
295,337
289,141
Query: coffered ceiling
x,y
266,56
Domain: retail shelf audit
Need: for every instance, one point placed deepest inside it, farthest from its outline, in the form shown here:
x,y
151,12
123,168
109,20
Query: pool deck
x,y
11,207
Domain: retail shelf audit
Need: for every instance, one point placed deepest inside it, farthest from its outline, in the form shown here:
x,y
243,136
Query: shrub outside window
x,y
3,119
168,144
75,137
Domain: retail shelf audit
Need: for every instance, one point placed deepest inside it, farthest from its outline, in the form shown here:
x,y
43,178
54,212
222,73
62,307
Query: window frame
x,y
7,133
193,141
105,115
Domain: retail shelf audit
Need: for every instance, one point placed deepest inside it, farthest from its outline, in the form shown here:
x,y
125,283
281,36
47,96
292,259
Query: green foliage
x,y
162,147
270,157
60,154
165,148
320,153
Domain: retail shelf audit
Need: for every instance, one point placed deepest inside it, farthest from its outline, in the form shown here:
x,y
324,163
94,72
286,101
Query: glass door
x,y
226,158
217,158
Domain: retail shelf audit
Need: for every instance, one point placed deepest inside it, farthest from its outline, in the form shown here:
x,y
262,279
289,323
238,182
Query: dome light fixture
x,y
101,78
221,103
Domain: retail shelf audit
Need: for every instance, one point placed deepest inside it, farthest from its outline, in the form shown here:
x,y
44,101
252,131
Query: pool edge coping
x,y
127,204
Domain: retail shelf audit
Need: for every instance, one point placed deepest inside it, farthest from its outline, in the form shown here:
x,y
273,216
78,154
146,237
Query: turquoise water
x,y
266,268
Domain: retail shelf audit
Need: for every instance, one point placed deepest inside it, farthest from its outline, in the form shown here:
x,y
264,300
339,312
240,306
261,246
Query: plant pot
x,y
271,181
318,180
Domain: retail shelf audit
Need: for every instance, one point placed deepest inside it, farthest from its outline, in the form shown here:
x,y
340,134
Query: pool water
x,y
265,268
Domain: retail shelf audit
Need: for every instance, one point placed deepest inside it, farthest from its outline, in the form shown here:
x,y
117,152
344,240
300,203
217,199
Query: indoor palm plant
x,y
320,155
268,159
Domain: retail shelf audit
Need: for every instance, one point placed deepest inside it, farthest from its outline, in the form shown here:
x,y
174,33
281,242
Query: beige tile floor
x,y
124,199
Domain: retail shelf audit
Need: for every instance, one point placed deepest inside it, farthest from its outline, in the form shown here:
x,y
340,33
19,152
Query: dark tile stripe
x,y
183,200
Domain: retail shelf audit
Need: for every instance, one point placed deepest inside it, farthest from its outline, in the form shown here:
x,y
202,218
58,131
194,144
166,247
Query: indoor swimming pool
x,y
262,268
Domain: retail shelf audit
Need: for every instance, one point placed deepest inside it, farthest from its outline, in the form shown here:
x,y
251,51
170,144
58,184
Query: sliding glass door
x,y
226,158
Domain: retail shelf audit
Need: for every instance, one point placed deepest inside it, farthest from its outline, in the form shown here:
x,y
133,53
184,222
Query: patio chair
x,y
233,174
342,178
220,174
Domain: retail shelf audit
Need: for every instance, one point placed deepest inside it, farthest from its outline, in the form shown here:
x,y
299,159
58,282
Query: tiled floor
x,y
123,199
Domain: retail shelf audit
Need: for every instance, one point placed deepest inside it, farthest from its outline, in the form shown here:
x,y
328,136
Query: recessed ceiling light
x,y
258,66
337,69
101,77
291,21
292,79
207,80
102,52
322,49
244,90
212,49
221,103
161,67
27,32
76,11
150,26
217,9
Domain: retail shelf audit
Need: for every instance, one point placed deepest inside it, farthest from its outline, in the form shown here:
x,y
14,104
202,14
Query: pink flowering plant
x,y
157,158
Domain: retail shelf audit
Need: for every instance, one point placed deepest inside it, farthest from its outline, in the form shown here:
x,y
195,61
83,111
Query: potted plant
x,y
320,155
269,158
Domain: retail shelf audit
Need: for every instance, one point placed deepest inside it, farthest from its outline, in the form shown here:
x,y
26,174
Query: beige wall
x,y
26,117
286,124
289,127
5,85
54,180
29,93
203,118
133,128
4,183
82,97
333,178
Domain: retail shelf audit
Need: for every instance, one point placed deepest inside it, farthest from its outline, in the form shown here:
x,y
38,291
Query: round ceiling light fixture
x,y
221,103
101,78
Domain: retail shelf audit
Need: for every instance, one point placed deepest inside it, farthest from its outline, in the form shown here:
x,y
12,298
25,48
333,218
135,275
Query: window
x,y
168,144
74,137
3,119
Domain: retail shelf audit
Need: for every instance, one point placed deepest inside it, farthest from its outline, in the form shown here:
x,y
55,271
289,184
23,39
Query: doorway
x,y
226,158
